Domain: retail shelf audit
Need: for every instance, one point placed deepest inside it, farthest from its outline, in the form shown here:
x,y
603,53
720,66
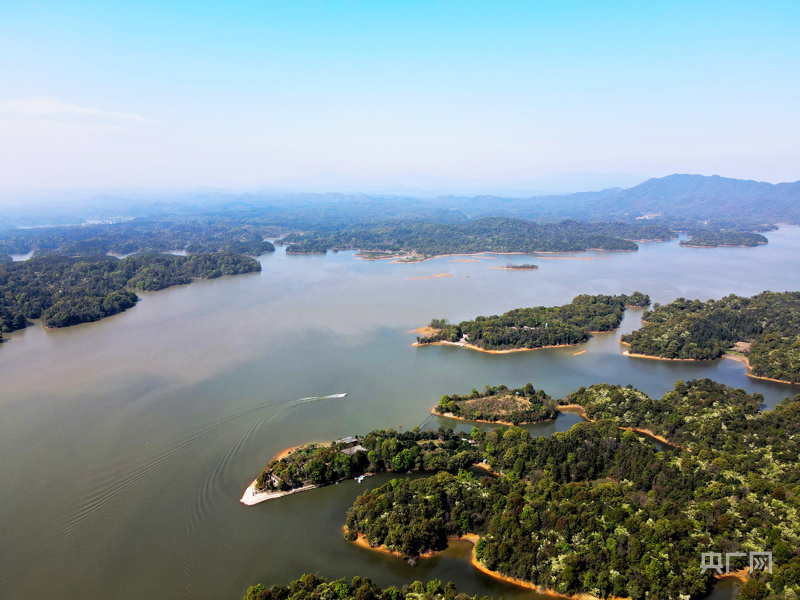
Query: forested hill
x,y
598,510
538,326
766,328
209,234
489,234
313,587
66,291
672,199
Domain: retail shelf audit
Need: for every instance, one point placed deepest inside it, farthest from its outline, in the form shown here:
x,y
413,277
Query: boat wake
x,y
98,497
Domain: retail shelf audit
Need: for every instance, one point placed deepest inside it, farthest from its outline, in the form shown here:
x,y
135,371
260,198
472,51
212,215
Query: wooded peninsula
x,y
538,327
594,510
65,291
765,329
600,511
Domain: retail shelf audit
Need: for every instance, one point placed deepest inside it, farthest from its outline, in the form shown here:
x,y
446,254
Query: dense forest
x,y
712,239
540,326
378,452
66,291
312,587
517,406
489,234
139,235
599,510
768,325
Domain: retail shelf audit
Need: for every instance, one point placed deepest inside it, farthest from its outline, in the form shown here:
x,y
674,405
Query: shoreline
x,y
473,539
632,355
737,357
426,330
508,423
725,245
478,349
436,276
514,268
420,258
746,362
251,497
579,410
286,452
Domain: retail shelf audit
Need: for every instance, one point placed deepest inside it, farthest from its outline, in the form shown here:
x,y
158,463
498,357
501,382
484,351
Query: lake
x,y
126,444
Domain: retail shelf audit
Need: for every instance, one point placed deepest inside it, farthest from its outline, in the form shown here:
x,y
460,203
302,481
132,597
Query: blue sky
x,y
248,94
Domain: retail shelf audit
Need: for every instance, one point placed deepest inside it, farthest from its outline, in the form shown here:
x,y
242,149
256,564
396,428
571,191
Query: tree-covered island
x,y
537,327
714,239
764,330
499,405
65,291
598,510
421,240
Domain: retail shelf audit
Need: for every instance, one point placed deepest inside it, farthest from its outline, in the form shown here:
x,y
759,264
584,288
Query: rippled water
x,y
126,444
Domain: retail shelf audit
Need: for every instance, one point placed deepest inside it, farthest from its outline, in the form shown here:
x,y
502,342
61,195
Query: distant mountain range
x,y
674,199
671,198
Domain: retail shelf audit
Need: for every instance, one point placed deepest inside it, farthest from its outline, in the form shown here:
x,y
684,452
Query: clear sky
x,y
245,94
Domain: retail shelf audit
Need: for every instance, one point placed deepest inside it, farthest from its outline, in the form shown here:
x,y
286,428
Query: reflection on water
x,y
127,443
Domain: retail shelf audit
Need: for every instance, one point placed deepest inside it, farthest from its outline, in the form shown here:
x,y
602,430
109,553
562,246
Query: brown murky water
x,y
126,444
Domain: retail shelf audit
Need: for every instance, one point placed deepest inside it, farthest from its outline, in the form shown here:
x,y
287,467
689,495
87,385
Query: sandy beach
x,y
514,268
572,257
745,361
252,497
426,330
437,276
508,423
737,357
361,256
286,452
576,409
477,349
628,353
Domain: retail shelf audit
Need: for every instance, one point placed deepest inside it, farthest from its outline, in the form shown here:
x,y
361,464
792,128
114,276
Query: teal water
x,y
126,444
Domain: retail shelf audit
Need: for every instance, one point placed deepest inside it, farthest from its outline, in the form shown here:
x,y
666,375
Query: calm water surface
x,y
126,444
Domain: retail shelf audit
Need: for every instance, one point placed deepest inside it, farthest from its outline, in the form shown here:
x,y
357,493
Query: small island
x,y
762,331
306,247
499,405
517,267
729,238
533,328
